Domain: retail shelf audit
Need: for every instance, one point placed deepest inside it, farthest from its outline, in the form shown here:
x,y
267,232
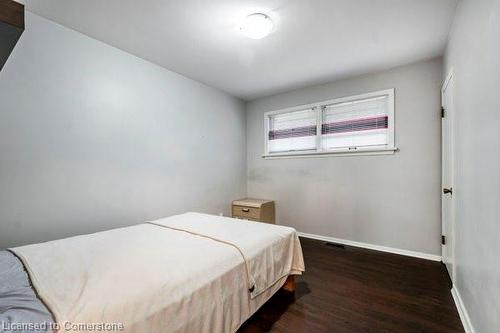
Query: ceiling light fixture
x,y
256,26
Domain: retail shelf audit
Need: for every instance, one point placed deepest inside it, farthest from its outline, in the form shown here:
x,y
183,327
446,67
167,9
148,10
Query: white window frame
x,y
319,151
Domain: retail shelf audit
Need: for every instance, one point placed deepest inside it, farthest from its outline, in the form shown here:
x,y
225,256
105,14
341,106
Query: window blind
x,y
360,123
292,131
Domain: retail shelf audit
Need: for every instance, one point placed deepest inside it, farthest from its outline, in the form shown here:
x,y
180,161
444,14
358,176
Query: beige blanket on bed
x,y
186,273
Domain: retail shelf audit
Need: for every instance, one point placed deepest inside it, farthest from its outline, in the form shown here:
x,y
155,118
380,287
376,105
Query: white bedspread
x,y
185,273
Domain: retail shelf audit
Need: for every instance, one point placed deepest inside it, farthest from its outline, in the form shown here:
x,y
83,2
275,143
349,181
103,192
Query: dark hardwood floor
x,y
356,290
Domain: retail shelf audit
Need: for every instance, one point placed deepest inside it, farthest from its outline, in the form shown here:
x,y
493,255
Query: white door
x,y
447,208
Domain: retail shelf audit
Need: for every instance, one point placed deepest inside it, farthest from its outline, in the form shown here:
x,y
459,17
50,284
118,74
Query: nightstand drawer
x,y
246,212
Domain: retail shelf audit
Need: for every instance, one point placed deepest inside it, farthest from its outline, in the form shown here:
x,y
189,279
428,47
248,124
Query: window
x,y
357,124
293,131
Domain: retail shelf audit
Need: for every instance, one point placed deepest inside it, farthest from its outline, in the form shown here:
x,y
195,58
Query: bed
x,y
186,273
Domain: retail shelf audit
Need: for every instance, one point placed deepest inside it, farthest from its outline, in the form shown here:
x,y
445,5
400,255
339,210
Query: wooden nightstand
x,y
253,210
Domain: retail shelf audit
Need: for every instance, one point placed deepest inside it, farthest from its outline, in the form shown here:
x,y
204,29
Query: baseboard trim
x,y
408,253
462,311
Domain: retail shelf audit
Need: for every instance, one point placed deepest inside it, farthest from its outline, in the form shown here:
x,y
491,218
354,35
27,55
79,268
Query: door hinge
x,y
443,240
442,112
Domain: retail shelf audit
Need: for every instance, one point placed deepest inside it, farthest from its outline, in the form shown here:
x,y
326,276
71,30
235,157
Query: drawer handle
x,y
246,210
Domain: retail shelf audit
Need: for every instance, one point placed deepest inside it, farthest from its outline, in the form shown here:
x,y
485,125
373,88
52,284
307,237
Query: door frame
x,y
450,116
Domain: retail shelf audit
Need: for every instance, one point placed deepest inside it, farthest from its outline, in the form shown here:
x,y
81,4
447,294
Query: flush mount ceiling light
x,y
256,26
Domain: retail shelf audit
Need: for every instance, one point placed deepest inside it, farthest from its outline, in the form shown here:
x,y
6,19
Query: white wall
x,y
384,200
474,55
92,138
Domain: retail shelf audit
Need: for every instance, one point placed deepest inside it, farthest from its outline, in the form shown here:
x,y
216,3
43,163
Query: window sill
x,y
359,152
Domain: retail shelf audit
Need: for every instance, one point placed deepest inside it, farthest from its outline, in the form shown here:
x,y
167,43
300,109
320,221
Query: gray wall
x,y
389,200
474,55
93,138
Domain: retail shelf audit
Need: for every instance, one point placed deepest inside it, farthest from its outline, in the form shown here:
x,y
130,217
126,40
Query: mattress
x,y
183,274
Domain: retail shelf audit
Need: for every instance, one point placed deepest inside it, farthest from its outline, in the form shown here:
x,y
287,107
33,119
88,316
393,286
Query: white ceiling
x,y
314,41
